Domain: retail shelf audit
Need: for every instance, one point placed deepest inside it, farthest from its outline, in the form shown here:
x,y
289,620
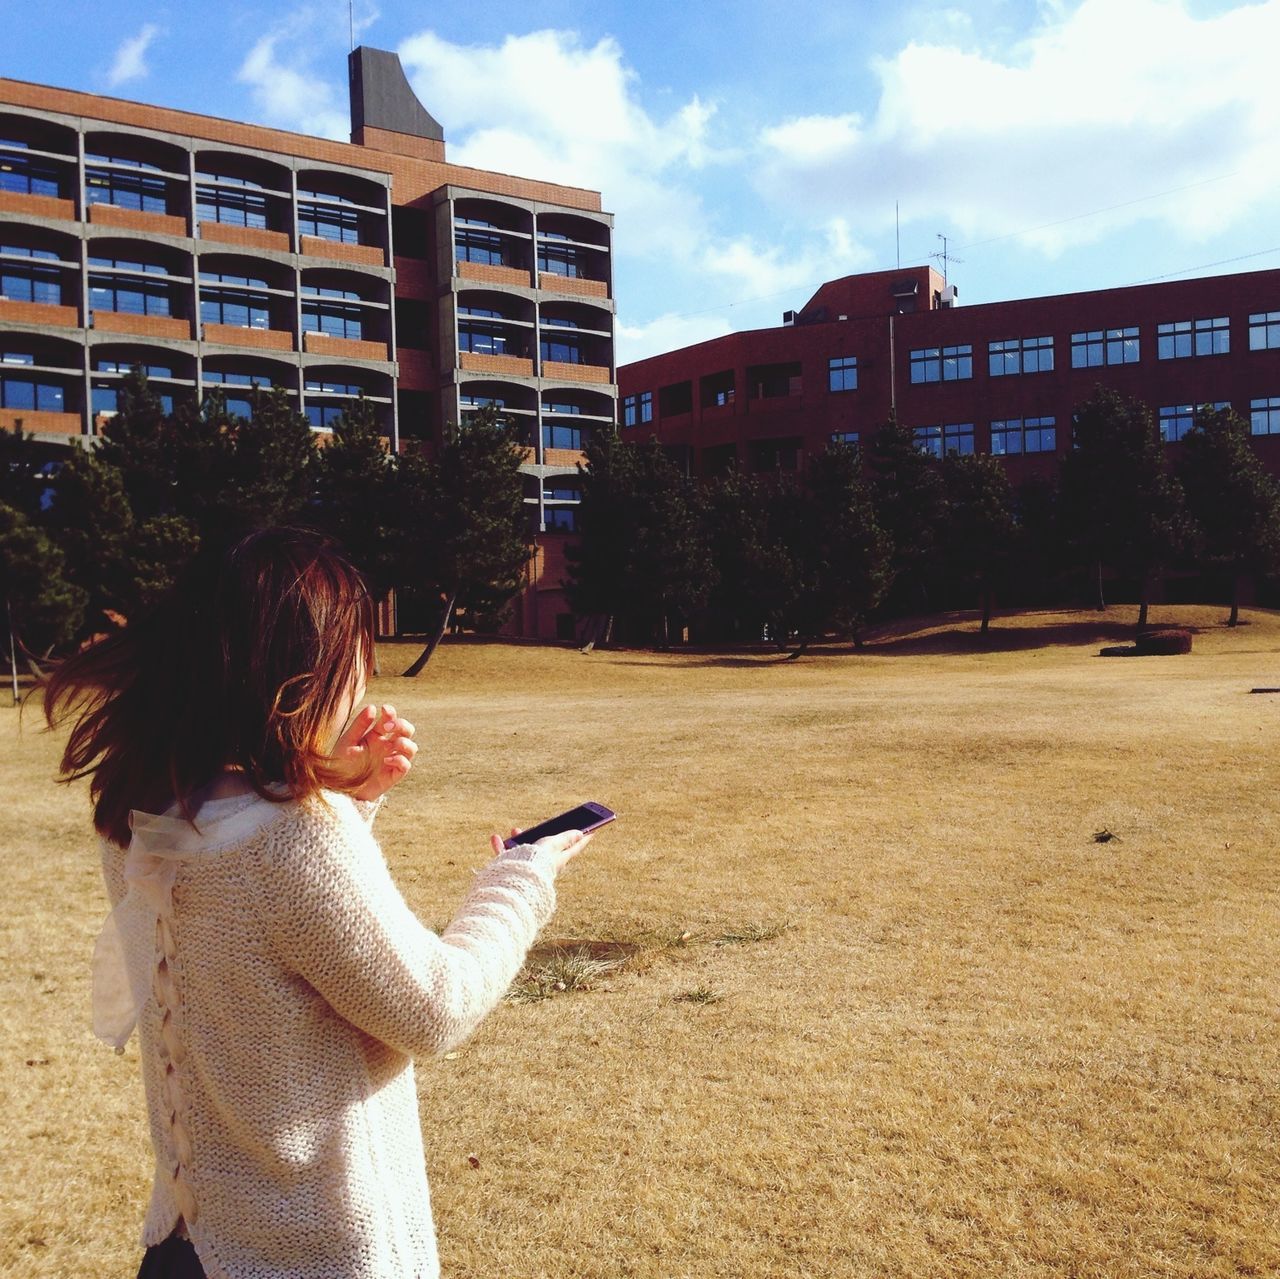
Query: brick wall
x,y
40,422
262,339
39,313
250,236
575,372
36,206
317,246
502,364
344,348
488,274
152,326
136,220
553,283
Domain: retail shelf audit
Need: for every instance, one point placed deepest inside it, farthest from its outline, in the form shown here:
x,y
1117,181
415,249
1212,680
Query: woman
x,y
279,983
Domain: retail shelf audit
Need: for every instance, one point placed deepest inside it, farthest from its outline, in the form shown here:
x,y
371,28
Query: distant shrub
x,y
1165,642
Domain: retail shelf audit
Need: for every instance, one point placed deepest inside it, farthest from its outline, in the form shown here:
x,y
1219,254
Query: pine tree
x,y
1120,506
1233,504
42,608
978,524
463,537
906,488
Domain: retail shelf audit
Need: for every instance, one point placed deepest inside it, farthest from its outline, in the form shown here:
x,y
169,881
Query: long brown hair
x,y
245,664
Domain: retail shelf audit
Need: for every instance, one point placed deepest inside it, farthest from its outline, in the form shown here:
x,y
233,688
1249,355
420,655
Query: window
x,y
556,436
22,251
842,373
774,381
240,379
335,319
1177,419
716,390
473,401
844,437
552,322
126,190
563,350
561,259
21,283
28,175
1010,436
341,226
104,397
1264,416
646,406
235,208
942,363
1097,347
246,281
561,519
676,399
479,246
629,411
1264,331
1181,339
17,357
204,176
561,489
572,409
131,297
26,392
947,440
120,264
323,416
1020,355
482,339
334,388
127,366
235,308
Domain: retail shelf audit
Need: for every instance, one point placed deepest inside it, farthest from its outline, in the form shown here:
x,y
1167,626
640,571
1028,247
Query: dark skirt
x,y
173,1259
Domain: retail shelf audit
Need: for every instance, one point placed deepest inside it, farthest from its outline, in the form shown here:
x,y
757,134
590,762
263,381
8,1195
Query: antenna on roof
x,y
351,21
944,256
897,235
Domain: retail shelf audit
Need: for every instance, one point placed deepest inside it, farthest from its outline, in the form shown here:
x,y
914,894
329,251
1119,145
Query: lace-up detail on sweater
x,y
289,986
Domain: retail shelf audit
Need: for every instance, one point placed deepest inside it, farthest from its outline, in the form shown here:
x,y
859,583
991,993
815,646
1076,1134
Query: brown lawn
x,y
955,1035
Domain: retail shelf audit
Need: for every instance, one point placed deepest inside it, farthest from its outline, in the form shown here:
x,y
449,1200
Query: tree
x,y
906,489
842,553
1233,504
1119,504
42,607
355,495
978,523
642,555
757,576
23,472
462,535
121,563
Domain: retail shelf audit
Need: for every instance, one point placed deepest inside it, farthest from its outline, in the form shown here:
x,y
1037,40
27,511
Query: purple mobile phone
x,y
586,817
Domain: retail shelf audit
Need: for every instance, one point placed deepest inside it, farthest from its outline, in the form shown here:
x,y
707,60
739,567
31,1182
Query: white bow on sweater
x,y
126,950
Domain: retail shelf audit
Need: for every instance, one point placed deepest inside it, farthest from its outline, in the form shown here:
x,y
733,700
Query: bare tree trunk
x,y
13,653
986,607
1143,601
1234,619
1102,602
434,642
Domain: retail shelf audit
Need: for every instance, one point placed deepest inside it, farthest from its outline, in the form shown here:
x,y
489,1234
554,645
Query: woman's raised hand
x,y
558,849
377,733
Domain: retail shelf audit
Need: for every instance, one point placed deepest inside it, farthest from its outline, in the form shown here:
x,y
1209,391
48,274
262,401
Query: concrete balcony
x,y
136,220
494,274
502,365
552,283
597,373
250,237
344,348
151,326
261,339
316,246
37,206
66,317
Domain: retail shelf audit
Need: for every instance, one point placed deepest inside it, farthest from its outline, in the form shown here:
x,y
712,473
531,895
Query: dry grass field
x,y
889,1009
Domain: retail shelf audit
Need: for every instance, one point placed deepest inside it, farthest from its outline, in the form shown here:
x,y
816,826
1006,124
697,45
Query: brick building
x,y
220,254
1000,378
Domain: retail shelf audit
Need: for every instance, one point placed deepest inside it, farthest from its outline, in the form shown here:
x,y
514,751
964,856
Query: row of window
x,y
490,249
1014,436
29,175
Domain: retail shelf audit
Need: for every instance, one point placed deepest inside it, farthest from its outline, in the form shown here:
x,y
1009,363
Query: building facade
x,y
999,378
216,254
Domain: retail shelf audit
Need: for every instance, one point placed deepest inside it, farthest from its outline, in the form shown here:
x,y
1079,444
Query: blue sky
x,y
751,150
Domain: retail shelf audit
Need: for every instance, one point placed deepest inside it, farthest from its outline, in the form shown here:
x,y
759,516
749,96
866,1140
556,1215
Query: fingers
x,y
360,728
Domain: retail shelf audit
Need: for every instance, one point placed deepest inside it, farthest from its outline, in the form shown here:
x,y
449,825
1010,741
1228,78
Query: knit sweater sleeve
x,y
336,918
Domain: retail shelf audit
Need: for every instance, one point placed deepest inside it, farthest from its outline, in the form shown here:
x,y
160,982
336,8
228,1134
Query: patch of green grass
x,y
699,995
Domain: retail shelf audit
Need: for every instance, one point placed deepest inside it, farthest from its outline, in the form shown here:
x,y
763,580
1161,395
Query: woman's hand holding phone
x,y
557,849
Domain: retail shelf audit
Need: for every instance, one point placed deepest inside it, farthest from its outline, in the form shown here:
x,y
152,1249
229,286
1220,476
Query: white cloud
x,y
287,89
1108,101
594,132
131,57
667,333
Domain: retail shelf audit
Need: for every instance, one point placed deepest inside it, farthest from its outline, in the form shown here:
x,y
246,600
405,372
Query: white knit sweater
x,y
281,986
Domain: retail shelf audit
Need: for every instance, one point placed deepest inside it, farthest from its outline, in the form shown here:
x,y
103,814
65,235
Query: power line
x,y
1204,266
